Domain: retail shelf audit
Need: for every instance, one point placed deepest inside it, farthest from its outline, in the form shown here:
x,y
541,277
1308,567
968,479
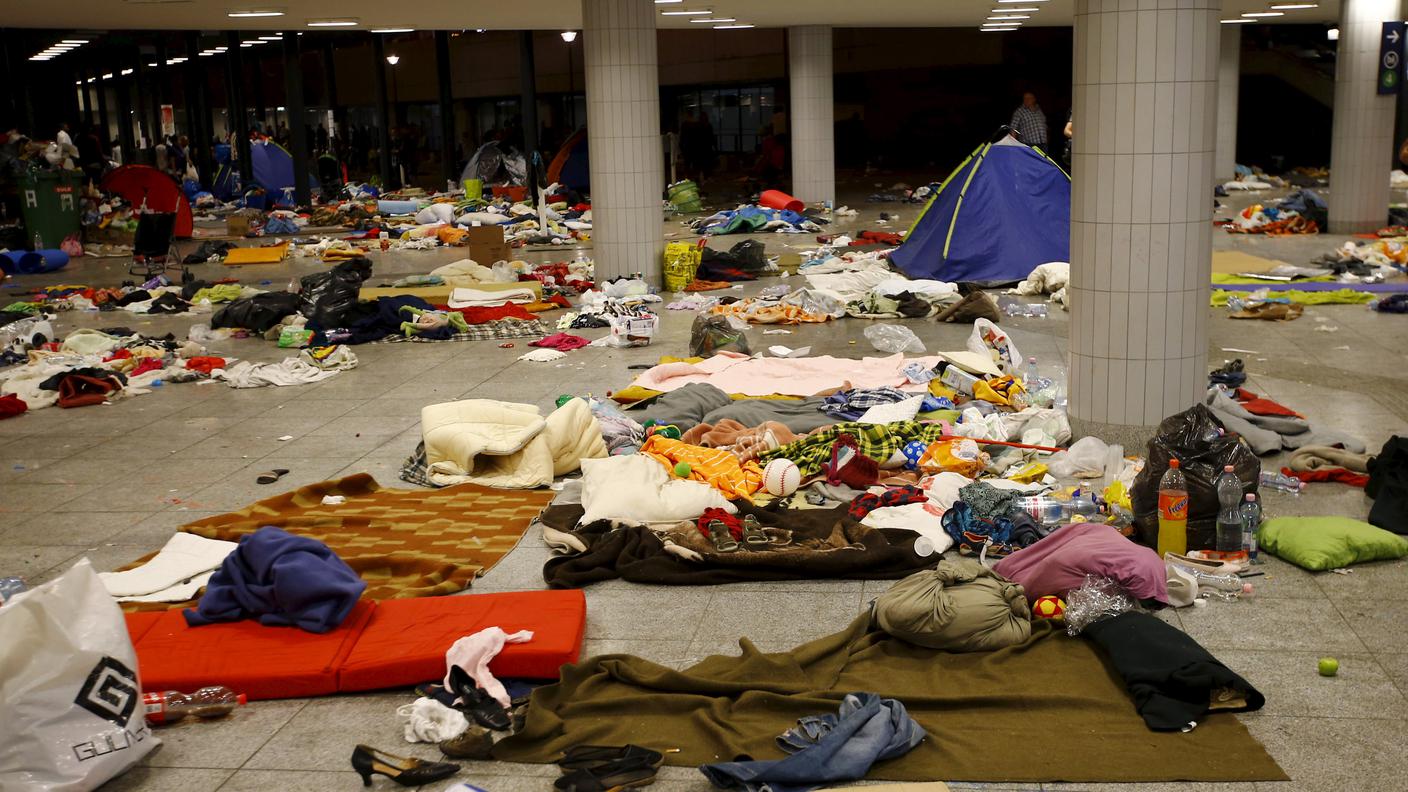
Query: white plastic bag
x,y
893,338
993,343
70,701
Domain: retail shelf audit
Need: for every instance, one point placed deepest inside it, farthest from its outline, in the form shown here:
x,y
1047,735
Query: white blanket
x,y
170,575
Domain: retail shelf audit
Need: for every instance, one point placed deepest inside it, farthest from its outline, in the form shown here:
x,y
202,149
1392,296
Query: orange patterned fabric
x,y
716,467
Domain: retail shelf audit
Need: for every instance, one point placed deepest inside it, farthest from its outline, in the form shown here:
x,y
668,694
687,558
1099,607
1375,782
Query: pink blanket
x,y
731,372
1060,562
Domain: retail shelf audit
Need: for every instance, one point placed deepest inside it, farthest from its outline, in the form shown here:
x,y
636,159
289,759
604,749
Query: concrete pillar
x,y
811,114
1141,211
1229,77
623,114
1361,142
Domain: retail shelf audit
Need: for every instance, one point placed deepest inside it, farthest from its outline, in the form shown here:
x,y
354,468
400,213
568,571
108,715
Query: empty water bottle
x,y
11,587
1282,482
1251,520
1082,508
1031,376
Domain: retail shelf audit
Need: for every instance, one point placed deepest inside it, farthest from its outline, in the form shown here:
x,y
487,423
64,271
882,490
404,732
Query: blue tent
x,y
1001,213
272,167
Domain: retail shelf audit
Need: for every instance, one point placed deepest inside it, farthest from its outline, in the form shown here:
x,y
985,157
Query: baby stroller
x,y
152,250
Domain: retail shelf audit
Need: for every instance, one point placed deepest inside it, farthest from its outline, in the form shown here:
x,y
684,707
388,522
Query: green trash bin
x,y
50,203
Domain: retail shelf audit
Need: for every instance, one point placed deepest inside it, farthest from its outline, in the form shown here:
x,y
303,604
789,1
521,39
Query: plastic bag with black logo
x,y
70,700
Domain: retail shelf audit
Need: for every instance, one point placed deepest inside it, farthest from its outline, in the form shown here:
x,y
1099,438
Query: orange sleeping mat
x,y
392,643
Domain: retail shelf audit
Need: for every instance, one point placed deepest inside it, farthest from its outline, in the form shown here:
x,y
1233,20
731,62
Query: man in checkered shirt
x,y
1030,122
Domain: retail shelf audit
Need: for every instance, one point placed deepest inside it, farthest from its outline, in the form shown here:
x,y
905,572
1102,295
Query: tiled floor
x,y
111,483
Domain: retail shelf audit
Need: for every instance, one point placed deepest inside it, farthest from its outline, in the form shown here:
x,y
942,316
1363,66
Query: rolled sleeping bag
x,y
37,262
397,207
436,213
777,199
483,218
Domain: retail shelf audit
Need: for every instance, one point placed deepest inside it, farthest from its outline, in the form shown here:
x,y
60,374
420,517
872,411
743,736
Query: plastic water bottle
x,y
11,587
1173,511
1030,377
1282,482
1251,520
1082,508
169,706
1229,517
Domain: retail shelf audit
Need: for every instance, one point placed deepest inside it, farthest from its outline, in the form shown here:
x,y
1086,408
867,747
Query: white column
x,y
1229,76
812,111
1141,211
623,114
1361,142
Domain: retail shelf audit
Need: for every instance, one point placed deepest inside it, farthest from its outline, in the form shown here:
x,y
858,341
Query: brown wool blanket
x,y
1050,709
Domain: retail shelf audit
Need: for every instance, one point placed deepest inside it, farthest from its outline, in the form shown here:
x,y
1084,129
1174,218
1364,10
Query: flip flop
x,y
271,476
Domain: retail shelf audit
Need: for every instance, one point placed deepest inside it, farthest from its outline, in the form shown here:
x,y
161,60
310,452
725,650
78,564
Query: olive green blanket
x,y
1050,709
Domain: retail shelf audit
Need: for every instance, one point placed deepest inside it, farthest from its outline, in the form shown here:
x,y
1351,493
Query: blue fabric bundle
x,y
282,580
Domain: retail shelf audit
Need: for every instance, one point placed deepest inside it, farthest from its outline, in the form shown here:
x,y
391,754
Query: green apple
x,y
1329,666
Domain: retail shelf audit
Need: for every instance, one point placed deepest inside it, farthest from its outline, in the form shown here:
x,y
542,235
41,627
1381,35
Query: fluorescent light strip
x,y
394,30
685,13
1237,21
1018,10
272,38
1294,6
1008,17
732,27
1258,14
715,19
1021,1
668,2
996,29
126,72
74,41
268,13
333,23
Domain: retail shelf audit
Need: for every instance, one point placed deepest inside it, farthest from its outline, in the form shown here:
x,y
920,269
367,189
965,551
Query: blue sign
x,y
1391,58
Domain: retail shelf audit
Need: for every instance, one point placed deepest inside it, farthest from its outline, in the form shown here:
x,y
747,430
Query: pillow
x,y
637,489
1320,543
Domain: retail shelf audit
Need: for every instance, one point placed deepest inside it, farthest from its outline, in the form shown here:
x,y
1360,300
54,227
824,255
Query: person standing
x,y
63,138
1030,122
1069,132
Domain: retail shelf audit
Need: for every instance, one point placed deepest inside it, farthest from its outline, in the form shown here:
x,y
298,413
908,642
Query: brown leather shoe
x,y
476,742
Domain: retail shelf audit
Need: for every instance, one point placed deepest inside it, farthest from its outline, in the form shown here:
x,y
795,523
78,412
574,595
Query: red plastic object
x,y
514,193
777,199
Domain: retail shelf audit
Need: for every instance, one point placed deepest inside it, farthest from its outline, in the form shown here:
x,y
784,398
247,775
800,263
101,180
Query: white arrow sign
x,y
1393,36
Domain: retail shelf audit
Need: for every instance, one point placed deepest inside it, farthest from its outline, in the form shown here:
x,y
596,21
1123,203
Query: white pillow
x,y
637,489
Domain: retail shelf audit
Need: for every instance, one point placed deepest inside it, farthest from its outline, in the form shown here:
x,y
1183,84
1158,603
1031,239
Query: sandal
x,y
580,757
271,476
609,777
720,536
753,531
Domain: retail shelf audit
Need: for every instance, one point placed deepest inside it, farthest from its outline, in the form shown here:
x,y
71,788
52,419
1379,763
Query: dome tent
x,y
1002,212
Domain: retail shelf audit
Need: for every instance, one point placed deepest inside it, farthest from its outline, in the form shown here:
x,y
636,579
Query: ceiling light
x,y
1009,17
91,79
221,48
667,2
280,108
715,19
1003,29
40,57
1021,1
1255,14
1333,34
1018,10
279,37
732,27
107,76
685,13
246,46
206,54
393,59
333,23
394,30
126,72
266,12
1237,21
1293,6
569,36
74,41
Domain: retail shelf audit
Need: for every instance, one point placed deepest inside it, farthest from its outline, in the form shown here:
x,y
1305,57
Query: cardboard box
x,y
958,379
486,245
237,225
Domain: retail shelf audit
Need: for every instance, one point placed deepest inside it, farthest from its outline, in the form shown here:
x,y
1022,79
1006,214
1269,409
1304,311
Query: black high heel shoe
x,y
476,703
368,761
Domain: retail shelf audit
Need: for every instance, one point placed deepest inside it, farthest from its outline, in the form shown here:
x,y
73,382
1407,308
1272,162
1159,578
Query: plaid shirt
x,y
485,331
877,441
1030,124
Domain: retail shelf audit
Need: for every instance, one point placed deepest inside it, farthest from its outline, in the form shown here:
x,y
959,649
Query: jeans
x,y
826,749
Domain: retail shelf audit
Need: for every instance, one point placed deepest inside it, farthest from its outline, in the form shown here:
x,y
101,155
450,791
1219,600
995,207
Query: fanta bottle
x,y
1173,511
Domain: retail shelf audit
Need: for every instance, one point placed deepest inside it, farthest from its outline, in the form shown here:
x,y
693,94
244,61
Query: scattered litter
x,y
779,350
285,438
1326,329
777,331
334,500
542,356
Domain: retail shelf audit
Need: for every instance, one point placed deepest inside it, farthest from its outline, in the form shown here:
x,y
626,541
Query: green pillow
x,y
1320,543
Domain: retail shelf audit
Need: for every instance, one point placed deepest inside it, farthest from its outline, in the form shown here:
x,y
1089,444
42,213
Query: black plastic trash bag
x,y
1203,446
328,296
713,333
1388,486
258,313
